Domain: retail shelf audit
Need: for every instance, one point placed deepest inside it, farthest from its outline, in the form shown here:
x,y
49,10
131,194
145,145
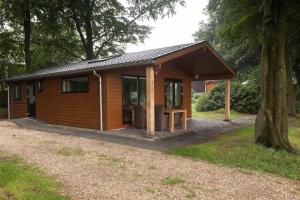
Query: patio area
x,y
199,130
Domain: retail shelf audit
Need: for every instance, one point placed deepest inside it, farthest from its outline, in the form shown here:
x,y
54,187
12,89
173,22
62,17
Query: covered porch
x,y
197,62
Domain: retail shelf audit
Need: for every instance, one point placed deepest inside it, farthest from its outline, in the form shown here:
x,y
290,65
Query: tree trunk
x,y
271,122
291,90
89,49
26,27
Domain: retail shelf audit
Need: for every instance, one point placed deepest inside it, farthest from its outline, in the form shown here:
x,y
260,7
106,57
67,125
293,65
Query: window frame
x,y
138,77
70,77
40,87
173,80
14,92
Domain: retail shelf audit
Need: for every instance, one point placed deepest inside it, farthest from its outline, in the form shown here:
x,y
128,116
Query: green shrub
x,y
245,98
195,96
201,101
212,100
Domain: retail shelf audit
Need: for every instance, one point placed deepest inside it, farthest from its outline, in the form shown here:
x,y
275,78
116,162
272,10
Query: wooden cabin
x,y
100,93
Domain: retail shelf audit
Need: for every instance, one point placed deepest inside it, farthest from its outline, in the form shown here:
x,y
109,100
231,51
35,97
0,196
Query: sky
x,y
177,29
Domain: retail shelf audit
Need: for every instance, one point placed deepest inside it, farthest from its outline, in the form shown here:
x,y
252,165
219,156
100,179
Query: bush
x,y
212,100
245,98
195,96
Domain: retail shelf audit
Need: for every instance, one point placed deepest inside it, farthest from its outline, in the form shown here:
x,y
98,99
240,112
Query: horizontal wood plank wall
x,y
113,93
82,109
113,96
70,109
171,71
18,108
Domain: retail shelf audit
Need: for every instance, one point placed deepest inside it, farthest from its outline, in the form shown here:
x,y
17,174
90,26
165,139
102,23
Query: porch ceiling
x,y
204,64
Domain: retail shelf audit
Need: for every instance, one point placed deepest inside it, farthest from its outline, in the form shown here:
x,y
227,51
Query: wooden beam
x,y
227,100
220,59
176,54
213,77
150,100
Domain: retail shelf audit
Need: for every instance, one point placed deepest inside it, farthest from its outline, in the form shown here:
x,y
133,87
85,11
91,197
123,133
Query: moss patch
x,y
67,151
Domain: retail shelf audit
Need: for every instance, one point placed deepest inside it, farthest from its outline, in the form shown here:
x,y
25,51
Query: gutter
x,y
100,101
8,103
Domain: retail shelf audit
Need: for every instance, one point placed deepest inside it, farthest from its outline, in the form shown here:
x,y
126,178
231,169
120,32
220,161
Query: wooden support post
x,y
184,120
171,122
227,100
150,100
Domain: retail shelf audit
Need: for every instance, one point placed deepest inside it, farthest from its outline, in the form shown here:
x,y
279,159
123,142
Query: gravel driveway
x,y
94,169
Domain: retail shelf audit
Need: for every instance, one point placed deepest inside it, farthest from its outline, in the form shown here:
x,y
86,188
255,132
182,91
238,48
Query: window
x,y
173,93
17,92
40,86
133,94
75,84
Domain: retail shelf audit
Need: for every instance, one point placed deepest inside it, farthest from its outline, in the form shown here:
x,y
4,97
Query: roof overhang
x,y
200,61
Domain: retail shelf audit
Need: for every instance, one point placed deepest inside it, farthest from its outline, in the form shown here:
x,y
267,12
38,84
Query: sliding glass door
x,y
133,94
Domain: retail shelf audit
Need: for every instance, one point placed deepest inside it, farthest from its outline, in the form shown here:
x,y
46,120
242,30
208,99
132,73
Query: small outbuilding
x,y
102,93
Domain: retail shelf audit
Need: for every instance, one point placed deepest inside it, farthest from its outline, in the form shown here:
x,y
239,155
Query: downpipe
x,y
100,100
8,102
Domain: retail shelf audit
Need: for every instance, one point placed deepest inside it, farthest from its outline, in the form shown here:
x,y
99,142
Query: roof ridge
x,y
191,43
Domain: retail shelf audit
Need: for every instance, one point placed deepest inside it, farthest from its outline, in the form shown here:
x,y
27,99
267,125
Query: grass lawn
x,y
217,114
239,150
21,181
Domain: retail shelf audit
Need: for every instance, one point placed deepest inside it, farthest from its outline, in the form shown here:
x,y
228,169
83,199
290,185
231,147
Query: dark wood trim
x,y
33,83
37,85
179,53
213,77
14,92
69,77
190,49
209,47
173,80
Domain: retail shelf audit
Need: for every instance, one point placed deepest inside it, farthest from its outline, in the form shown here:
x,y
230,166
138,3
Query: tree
x,y
235,29
104,27
48,39
293,57
27,32
271,121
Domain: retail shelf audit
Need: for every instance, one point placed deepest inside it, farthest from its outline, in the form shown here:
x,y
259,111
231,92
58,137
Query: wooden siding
x,y
82,109
113,96
113,93
71,109
18,108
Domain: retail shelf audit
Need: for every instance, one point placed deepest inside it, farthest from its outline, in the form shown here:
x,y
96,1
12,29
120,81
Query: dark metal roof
x,y
118,61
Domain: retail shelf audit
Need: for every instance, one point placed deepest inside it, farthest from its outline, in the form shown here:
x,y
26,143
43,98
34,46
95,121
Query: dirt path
x,y
93,169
